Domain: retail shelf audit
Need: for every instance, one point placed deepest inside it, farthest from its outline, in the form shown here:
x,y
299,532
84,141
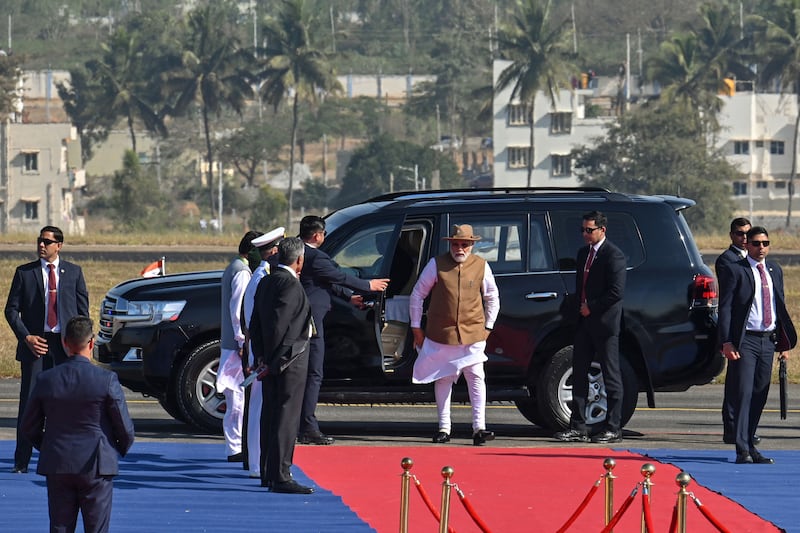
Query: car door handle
x,y
541,296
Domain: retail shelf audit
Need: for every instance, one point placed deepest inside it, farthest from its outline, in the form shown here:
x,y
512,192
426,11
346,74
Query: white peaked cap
x,y
270,238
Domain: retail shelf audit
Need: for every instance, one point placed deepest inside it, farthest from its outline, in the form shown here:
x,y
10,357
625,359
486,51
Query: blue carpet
x,y
766,490
175,487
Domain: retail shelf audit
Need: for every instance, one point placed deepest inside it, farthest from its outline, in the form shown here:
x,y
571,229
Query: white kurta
x,y
436,360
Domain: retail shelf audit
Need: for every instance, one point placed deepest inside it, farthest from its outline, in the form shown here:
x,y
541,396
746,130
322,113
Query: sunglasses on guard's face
x,y
46,242
588,230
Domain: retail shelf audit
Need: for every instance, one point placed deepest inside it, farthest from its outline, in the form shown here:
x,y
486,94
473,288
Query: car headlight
x,y
146,313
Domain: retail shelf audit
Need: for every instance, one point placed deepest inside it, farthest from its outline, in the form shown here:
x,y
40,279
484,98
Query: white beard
x,y
459,257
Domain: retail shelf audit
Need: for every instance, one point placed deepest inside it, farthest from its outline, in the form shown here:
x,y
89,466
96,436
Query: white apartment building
x,y
556,132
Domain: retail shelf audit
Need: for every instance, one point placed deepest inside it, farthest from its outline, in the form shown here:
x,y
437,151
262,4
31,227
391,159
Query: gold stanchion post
x,y
405,483
683,479
609,465
447,473
647,471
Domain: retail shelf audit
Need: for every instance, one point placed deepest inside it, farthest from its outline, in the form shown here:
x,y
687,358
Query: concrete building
x,y
577,118
40,163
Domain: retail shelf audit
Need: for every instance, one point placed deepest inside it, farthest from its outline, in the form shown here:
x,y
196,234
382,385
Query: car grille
x,y
107,309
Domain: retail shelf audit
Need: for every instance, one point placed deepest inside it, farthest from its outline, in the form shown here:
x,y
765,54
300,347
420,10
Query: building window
x,y
31,210
518,114
562,165
780,184
776,147
560,122
761,185
31,161
518,157
739,188
759,144
741,147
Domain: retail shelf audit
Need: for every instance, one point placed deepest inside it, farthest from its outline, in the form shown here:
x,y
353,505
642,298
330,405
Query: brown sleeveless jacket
x,y
455,314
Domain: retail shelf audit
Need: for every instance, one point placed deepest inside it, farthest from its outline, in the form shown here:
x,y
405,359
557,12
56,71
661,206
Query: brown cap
x,y
463,233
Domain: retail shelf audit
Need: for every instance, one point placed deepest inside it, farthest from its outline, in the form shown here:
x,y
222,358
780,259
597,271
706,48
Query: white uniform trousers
x,y
254,430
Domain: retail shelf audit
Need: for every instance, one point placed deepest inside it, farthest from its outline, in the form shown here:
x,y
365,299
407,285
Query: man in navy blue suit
x,y
40,302
600,285
78,419
319,277
753,324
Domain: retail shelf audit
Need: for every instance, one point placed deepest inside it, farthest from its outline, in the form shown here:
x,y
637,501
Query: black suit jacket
x,y
737,287
78,419
321,276
604,287
731,255
279,326
27,298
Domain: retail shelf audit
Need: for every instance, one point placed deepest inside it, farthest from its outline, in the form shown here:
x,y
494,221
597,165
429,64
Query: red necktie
x,y
52,298
589,260
766,298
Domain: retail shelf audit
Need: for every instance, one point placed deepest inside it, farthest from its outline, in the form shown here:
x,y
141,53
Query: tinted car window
x,y
363,252
503,242
541,256
622,230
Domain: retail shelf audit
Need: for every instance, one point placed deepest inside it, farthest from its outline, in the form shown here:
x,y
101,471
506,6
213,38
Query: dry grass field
x,y
102,275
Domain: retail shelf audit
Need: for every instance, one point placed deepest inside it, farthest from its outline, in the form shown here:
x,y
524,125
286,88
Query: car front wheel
x,y
554,392
197,398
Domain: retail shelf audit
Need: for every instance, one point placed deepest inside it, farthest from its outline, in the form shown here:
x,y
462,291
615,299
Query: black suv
x,y
161,335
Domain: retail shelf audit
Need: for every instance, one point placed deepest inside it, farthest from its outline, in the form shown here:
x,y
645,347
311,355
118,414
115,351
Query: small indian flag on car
x,y
155,269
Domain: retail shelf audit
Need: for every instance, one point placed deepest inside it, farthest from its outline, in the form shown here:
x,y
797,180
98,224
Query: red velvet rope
x,y
710,517
673,524
648,516
471,511
430,505
625,505
581,507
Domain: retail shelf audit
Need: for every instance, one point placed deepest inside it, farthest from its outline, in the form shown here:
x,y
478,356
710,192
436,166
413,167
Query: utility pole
x,y
628,72
220,197
574,31
333,31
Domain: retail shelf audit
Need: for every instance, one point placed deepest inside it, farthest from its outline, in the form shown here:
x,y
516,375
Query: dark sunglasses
x,y
588,230
46,242
758,244
740,233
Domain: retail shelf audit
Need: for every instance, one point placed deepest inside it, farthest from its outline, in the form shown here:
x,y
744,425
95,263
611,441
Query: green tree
x,y
373,166
778,43
122,74
10,73
214,72
654,150
80,96
248,148
136,198
540,55
313,195
293,67
269,206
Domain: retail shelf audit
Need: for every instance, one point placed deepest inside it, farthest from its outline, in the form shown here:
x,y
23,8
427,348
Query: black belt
x,y
759,333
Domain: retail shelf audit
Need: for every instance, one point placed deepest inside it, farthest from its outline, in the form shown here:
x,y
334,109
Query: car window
x,y
622,231
363,252
541,256
503,241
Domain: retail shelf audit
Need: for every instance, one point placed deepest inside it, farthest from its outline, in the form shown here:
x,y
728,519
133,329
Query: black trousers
x,y
69,493
280,420
753,375
590,346
309,425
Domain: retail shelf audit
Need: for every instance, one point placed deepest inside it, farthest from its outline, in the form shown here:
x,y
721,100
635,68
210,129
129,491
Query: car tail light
x,y
704,291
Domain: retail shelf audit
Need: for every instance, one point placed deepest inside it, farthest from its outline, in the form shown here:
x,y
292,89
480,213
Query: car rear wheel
x,y
197,398
554,392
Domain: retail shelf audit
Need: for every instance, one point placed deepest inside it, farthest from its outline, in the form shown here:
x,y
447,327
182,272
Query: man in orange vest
x,y
464,302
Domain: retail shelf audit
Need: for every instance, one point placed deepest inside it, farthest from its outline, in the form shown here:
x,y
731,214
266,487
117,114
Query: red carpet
x,y
511,489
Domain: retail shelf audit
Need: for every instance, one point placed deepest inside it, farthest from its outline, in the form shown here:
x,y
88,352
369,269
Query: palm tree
x,y
293,68
121,74
693,65
213,73
540,54
779,44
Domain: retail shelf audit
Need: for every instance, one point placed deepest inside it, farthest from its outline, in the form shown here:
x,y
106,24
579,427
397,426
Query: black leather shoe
x,y
291,487
441,438
572,435
756,439
316,438
743,459
480,437
607,437
19,469
760,459
236,458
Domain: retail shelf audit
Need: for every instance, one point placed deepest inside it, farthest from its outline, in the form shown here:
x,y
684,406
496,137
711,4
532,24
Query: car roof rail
x,y
435,193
